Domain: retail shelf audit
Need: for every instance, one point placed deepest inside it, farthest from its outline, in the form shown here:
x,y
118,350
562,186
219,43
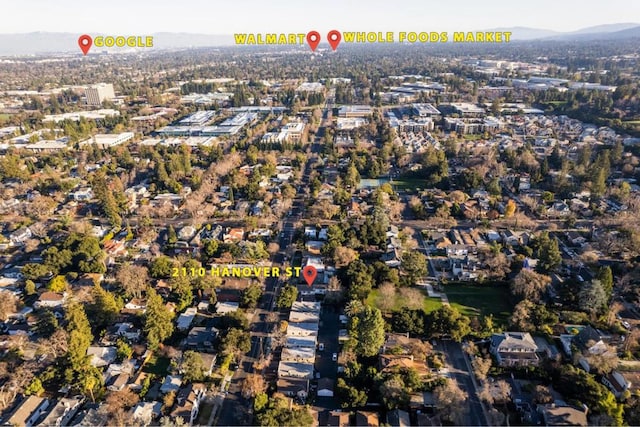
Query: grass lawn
x,y
407,183
157,365
479,300
401,301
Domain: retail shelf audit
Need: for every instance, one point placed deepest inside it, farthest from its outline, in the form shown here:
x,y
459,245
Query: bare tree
x,y
386,297
603,361
481,367
133,279
529,285
498,265
344,256
8,304
253,384
451,402
413,298
542,394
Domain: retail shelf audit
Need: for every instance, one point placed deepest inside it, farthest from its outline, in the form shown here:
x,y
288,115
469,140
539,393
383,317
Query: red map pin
x,y
309,273
334,38
85,42
313,39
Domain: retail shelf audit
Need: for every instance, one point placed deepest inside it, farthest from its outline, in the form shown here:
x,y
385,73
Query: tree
x,y
360,280
448,320
451,402
57,284
343,256
251,296
510,208
287,296
47,323
605,276
278,412
253,385
133,279
386,300
105,308
29,287
367,331
415,265
8,304
529,285
394,392
592,297
34,271
158,320
236,342
481,367
348,396
80,337
603,361
192,366
124,350
183,291
548,253
161,267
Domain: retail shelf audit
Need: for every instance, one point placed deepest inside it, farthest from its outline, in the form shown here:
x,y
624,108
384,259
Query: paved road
x,y
461,372
235,408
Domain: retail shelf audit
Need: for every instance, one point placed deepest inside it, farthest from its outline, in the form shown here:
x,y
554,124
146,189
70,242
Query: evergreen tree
x,y
158,320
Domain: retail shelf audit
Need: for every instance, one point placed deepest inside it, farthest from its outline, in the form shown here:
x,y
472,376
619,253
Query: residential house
x,y
63,411
515,349
119,382
20,236
300,355
338,419
617,382
295,370
553,415
171,383
233,235
558,209
27,412
325,387
185,319
147,412
50,300
367,419
202,338
136,305
398,418
293,387
102,356
187,403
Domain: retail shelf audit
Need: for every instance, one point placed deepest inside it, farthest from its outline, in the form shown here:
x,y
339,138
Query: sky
x,y
122,17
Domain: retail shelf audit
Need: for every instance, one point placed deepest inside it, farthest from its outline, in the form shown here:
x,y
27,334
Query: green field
x,y
428,304
479,300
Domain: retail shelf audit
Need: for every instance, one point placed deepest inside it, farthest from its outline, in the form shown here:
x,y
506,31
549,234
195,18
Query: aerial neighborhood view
x,y
433,220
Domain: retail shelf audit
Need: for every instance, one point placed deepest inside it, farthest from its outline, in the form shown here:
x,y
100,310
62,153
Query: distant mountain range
x,y
598,32
47,42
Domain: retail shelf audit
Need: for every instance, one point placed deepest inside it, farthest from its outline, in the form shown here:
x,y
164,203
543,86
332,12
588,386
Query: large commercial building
x,y
96,94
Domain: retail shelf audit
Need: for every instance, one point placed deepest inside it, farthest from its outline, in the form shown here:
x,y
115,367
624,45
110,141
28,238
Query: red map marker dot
x,y
313,39
334,38
85,42
310,273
